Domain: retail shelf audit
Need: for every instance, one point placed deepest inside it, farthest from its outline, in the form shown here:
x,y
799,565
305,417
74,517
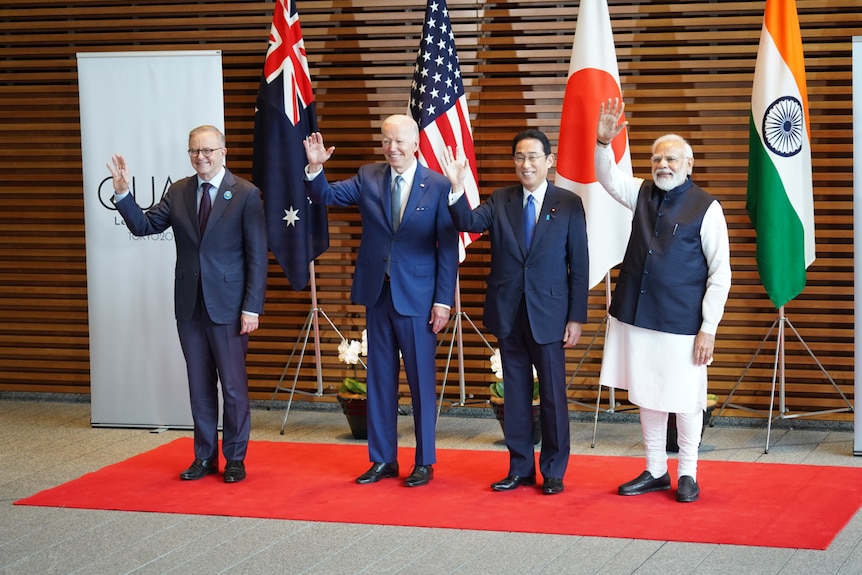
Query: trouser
x,y
654,429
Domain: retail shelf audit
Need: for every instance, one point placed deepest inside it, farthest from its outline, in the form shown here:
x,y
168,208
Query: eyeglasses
x,y
519,159
207,152
669,159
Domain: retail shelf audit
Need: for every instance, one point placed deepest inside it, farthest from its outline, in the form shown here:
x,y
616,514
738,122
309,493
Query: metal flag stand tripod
x,y
778,375
312,322
602,328
458,335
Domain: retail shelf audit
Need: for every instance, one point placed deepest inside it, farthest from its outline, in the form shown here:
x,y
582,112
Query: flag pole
x,y
779,378
601,327
316,324
311,325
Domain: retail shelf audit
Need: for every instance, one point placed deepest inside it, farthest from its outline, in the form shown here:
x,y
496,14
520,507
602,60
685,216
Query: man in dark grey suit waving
x,y
218,291
536,301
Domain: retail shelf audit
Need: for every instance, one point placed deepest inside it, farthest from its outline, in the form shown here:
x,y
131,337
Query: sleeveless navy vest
x,y
662,280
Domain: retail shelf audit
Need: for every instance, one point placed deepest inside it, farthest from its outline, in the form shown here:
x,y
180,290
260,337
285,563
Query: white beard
x,y
666,183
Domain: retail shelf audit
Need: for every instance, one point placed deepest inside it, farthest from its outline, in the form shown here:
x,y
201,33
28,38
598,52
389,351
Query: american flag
x,y
438,102
297,230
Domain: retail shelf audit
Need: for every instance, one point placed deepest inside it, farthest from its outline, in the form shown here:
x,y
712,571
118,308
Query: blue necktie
x,y
529,220
396,202
205,207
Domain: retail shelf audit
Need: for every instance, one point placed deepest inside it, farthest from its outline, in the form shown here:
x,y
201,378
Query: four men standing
x,y
668,301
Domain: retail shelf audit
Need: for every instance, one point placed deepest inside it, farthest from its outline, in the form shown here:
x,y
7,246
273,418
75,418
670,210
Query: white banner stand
x,y
141,105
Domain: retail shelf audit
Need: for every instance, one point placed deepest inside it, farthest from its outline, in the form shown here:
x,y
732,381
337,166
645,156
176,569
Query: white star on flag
x,y
439,105
291,216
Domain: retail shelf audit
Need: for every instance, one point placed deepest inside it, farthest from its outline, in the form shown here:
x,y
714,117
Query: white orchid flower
x,y
348,351
497,364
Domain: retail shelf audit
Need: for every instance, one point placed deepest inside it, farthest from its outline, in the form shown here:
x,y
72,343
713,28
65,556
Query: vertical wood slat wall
x,y
686,66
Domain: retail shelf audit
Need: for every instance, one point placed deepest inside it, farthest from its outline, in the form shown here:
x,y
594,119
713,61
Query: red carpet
x,y
761,504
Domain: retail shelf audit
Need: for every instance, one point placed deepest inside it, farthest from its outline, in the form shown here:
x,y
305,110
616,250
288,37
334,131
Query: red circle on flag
x,y
586,90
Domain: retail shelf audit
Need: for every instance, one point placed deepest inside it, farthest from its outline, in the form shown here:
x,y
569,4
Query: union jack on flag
x,y
286,56
297,231
438,102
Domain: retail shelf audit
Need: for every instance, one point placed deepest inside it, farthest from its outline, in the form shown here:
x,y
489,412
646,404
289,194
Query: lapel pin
x,y
228,195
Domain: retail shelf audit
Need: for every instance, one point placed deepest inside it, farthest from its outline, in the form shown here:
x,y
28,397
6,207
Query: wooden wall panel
x,y
686,66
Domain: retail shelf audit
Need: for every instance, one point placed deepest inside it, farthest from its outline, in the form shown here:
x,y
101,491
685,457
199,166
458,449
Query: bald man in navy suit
x,y
219,288
405,277
536,301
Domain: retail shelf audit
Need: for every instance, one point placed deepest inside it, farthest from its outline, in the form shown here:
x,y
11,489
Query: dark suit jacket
x,y
231,260
424,250
553,275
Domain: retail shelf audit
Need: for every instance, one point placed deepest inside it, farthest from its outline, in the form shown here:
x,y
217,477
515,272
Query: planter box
x,y
355,408
497,406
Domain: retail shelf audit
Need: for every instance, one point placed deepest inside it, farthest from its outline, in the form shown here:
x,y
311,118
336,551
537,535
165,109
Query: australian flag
x,y
297,231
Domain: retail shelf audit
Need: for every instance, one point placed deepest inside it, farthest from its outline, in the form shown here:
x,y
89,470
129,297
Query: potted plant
x,y
497,399
352,392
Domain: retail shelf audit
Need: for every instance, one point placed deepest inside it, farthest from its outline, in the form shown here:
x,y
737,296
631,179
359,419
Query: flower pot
x,y
497,406
355,408
672,445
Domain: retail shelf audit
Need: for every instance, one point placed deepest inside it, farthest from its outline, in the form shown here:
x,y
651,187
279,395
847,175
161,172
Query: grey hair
x,y
208,128
674,138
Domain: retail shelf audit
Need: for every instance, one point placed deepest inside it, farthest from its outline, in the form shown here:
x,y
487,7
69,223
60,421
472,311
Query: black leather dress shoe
x,y
420,475
645,483
513,482
234,471
199,469
552,486
687,490
377,472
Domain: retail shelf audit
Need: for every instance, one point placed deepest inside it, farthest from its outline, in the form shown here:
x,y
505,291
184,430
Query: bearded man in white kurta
x,y
668,301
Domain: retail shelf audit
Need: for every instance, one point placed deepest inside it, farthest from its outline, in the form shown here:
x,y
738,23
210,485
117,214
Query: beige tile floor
x,y
47,440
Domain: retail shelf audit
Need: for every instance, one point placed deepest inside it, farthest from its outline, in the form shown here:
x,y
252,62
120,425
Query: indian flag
x,y
779,199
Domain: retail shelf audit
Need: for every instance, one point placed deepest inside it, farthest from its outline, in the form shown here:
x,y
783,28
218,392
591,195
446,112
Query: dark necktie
x,y
396,202
529,220
205,207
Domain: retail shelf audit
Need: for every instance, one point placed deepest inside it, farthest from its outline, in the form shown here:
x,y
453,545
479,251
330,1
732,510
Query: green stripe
x,y
780,233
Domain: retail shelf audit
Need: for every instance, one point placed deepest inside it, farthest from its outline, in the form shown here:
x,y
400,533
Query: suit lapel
x,y
190,199
384,183
223,197
515,211
420,186
548,213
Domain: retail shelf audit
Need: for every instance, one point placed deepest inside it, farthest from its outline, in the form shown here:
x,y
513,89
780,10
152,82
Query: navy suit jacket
x,y
231,259
553,275
424,250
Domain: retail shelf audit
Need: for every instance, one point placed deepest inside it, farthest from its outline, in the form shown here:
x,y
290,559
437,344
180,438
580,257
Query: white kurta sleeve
x,y
716,249
622,187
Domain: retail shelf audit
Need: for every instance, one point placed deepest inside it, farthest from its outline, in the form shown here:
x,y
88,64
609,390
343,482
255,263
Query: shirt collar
x,y
215,181
539,194
408,174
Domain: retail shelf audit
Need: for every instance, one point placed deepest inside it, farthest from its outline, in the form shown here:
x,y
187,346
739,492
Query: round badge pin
x,y
228,195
